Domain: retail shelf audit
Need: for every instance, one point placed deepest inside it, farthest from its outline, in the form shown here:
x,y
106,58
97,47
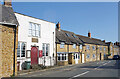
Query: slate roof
x,y
88,40
72,38
7,15
61,37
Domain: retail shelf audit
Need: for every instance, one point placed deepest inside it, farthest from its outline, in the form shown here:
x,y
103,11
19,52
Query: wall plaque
x,y
35,40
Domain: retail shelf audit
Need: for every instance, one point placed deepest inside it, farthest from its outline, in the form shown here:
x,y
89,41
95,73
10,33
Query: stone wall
x,y
7,50
96,52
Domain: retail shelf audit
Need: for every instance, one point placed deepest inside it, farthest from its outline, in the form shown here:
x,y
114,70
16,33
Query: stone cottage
x,y
8,40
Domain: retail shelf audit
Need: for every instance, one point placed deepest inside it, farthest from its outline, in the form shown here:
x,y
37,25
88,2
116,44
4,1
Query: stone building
x,y
8,40
94,49
110,49
116,49
73,49
67,47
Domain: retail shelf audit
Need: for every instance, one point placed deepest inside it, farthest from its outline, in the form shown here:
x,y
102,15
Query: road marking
x,y
34,75
102,65
80,74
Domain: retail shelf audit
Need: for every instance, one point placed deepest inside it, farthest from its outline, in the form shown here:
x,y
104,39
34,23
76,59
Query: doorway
x,y
76,58
34,55
100,56
83,60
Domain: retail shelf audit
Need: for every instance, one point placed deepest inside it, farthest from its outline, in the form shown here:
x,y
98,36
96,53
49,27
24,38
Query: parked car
x,y
116,57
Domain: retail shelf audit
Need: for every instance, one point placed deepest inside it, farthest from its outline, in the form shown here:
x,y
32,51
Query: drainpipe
x,y
96,52
14,50
53,49
56,54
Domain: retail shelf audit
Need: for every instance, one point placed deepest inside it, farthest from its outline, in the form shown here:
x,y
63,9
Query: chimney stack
x,y
89,34
103,40
8,3
58,26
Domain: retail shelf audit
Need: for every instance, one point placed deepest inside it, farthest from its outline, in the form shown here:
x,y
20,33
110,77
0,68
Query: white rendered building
x,y
36,41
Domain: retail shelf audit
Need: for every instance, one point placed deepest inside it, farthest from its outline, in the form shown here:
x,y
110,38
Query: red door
x,y
34,55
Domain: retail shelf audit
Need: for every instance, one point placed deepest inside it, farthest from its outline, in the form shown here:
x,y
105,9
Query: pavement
x,y
106,68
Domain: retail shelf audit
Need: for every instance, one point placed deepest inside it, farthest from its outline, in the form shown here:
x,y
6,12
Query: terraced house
x,y
116,50
8,40
73,49
68,47
110,49
94,49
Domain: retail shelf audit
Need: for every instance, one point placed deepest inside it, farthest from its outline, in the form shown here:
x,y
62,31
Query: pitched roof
x,y
7,15
67,37
71,38
88,40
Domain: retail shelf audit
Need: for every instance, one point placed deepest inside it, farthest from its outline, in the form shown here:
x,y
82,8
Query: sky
x,y
100,18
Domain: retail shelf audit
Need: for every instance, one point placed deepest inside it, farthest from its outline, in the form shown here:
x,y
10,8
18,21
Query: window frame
x,y
32,31
20,43
87,56
74,46
93,47
88,47
81,47
62,56
45,50
62,45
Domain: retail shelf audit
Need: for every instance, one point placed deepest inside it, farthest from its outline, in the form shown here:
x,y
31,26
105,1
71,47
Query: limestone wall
x,y
7,50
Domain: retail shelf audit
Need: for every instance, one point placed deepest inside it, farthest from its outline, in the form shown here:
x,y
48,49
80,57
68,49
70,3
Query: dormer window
x,y
67,34
74,36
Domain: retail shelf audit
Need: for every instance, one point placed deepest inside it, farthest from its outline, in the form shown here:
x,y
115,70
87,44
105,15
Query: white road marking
x,y
89,71
102,65
80,74
34,75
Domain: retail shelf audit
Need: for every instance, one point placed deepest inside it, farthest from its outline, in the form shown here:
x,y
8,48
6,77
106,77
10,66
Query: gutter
x,y
7,23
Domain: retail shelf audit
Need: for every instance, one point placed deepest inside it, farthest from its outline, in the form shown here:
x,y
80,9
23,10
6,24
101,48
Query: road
x,y
106,68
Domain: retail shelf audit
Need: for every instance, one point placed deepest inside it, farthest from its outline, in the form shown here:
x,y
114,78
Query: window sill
x,y
34,36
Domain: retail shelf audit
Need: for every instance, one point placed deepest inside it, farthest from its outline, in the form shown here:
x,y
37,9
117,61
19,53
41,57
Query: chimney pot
x,y
58,26
103,40
8,3
89,34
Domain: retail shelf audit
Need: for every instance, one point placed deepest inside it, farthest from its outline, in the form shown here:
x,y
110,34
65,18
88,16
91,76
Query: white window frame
x,y
33,30
62,45
64,55
45,46
104,48
21,49
81,46
74,46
